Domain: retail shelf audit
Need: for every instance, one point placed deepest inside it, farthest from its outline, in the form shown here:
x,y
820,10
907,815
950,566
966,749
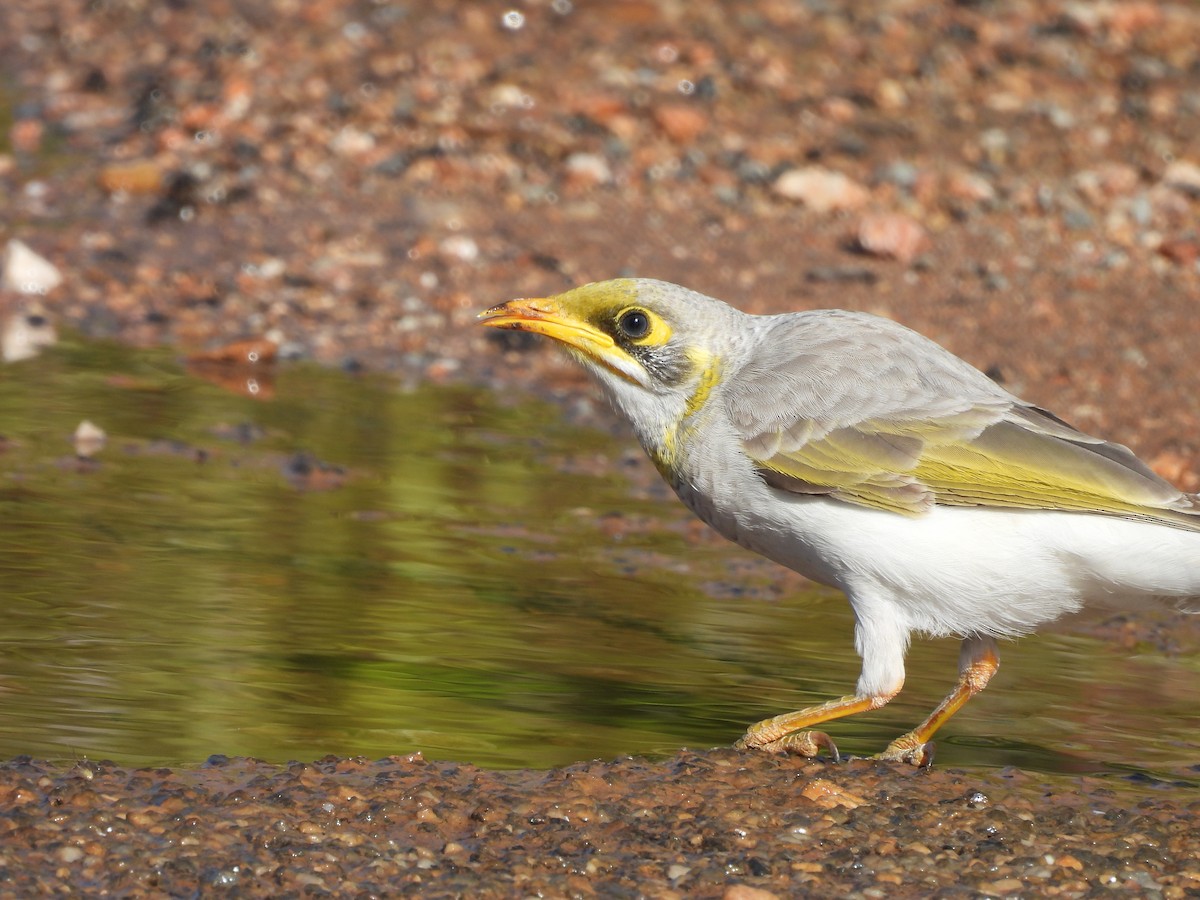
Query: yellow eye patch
x,y
642,327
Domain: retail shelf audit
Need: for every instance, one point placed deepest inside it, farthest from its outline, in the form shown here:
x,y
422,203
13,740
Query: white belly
x,y
967,570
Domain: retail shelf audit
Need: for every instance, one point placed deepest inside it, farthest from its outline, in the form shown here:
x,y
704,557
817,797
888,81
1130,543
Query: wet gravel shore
x,y
351,182
712,824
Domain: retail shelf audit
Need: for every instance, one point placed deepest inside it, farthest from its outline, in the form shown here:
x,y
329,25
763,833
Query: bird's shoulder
x,y
838,367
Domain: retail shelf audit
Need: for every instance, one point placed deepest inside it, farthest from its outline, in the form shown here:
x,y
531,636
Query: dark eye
x,y
634,323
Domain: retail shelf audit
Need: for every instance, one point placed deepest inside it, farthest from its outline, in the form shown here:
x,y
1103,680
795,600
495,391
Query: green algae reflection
x,y
353,567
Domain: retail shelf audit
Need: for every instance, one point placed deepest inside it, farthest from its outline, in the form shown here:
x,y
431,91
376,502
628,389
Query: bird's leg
x,y
978,661
784,733
881,641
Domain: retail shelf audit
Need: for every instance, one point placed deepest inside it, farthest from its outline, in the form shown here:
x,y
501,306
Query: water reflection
x,y
450,590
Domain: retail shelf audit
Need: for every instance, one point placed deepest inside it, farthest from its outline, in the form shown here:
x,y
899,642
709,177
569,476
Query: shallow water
x,y
355,568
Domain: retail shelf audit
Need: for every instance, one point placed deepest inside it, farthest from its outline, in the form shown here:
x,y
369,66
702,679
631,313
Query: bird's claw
x,y
801,743
908,749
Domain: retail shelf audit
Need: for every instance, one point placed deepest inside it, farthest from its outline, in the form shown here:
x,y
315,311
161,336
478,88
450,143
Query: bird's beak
x,y
545,315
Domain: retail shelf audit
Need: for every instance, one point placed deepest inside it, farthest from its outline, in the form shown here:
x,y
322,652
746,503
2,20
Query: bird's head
x,y
636,335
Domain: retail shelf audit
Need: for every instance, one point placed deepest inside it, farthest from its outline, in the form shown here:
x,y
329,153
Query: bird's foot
x,y
909,748
801,743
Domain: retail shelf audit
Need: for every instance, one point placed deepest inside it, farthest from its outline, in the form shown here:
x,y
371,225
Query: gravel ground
x,y
714,824
351,182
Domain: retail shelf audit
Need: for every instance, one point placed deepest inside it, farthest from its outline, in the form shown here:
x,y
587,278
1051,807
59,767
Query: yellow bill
x,y
546,315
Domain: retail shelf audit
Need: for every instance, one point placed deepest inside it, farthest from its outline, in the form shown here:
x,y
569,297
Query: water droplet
x,y
513,20
685,87
563,7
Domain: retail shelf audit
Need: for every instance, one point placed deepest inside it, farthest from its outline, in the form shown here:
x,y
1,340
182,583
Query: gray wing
x,y
868,411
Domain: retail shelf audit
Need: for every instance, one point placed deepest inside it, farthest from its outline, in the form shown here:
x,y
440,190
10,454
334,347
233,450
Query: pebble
x,y
681,123
1184,176
27,272
143,176
89,439
588,169
893,235
821,190
25,329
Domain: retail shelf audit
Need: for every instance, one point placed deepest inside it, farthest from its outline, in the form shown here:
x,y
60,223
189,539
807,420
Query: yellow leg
x,y
784,733
977,664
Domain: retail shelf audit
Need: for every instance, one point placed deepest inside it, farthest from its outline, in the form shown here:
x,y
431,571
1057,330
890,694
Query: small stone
x,y
1078,218
352,141
970,187
26,135
890,95
899,172
461,247
141,176
746,892
680,122
1183,176
821,190
892,235
1106,181
25,331
70,854
89,439
26,272
509,96
1003,886
588,169
677,871
828,795
1184,251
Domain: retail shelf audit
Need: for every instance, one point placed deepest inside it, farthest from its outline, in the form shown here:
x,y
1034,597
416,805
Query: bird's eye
x,y
634,323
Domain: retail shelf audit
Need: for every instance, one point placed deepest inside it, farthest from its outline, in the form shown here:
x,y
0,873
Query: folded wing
x,y
869,412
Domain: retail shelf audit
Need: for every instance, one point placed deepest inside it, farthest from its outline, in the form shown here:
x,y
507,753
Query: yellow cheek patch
x,y
710,375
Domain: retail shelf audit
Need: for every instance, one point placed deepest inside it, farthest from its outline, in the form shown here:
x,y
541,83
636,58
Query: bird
x,y
867,457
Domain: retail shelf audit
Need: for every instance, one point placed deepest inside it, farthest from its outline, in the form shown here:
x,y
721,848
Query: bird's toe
x,y
915,753
800,743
